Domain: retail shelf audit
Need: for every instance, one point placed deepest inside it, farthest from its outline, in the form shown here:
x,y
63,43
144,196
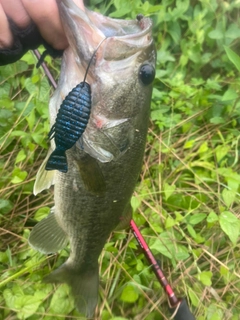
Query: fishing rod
x,y
45,68
178,306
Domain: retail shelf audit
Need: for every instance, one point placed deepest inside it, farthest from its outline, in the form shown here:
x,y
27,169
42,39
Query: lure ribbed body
x,y
71,121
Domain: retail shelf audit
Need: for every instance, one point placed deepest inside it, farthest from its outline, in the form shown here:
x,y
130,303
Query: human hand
x,y
25,24
44,13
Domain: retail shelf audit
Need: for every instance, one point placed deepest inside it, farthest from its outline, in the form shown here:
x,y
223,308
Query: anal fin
x,y
47,236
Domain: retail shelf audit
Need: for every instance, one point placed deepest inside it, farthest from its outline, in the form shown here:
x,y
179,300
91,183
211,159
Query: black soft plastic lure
x,y
71,121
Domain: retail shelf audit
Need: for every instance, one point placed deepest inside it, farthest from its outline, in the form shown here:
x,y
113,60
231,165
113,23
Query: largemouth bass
x,y
93,197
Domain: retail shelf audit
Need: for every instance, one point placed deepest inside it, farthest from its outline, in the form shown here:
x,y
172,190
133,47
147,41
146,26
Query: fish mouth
x,y
122,47
85,29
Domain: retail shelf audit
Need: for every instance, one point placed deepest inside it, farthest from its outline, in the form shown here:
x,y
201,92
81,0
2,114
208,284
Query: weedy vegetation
x,y
187,200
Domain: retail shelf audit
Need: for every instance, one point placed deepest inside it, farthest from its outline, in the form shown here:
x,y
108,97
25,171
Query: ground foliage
x,y
187,200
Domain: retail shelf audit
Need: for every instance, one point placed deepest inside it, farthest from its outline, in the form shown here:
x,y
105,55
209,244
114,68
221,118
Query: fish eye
x,y
147,73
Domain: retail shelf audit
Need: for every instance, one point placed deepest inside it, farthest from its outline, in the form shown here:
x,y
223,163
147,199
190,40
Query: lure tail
x,y
57,161
84,286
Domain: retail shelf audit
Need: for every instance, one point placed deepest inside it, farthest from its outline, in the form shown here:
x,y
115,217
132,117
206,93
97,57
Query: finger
x,y
6,37
46,16
15,10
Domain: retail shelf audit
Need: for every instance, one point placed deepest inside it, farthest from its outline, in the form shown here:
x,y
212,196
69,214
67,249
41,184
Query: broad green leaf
x,y
216,34
122,11
228,196
212,217
233,182
145,6
5,114
221,152
38,137
29,58
217,315
18,176
229,95
224,271
5,206
31,120
229,224
189,144
21,66
233,32
170,222
232,178
27,305
168,246
129,294
214,312
135,203
179,217
196,218
206,278
9,298
157,115
193,297
203,164
164,247
44,90
20,156
175,31
199,238
203,148
168,189
191,231
35,78
217,120
233,57
62,302
18,133
42,213
3,257
31,87
180,256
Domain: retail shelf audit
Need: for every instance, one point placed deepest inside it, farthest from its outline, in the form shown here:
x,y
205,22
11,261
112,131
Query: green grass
x,y
187,200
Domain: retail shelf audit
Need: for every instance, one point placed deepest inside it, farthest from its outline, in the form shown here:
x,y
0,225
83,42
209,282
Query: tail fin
x,y
84,286
57,161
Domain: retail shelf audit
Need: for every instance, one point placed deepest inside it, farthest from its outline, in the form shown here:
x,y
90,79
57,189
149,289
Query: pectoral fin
x,y
47,236
91,175
111,141
44,179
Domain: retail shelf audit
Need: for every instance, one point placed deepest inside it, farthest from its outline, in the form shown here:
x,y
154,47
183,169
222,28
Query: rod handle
x,y
182,311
